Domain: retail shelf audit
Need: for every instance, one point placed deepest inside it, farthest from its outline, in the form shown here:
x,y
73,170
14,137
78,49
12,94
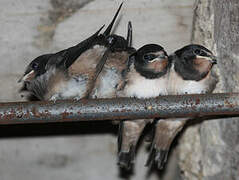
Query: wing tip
x,y
109,28
126,159
157,157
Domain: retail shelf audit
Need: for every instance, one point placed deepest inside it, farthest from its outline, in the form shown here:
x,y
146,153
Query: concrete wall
x,y
210,150
31,28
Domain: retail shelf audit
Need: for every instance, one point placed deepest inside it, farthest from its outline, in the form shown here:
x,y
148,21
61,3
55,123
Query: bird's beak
x,y
212,58
27,77
163,56
159,63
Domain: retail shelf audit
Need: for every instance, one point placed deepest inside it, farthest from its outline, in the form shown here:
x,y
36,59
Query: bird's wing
x,y
65,58
165,133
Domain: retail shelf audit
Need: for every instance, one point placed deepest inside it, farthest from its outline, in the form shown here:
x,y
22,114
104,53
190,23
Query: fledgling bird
x,y
145,77
190,73
110,76
72,72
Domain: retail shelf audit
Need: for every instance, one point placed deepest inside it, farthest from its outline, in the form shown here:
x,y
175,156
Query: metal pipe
x,y
122,108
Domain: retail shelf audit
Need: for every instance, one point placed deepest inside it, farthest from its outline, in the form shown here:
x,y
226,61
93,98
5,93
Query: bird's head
x,y
151,61
35,68
194,62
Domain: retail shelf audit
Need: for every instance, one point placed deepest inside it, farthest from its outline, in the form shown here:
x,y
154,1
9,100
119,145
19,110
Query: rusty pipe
x,y
122,108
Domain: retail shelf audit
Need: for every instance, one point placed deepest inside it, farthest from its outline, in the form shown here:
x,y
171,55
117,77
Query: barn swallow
x,y
70,73
190,73
145,77
110,76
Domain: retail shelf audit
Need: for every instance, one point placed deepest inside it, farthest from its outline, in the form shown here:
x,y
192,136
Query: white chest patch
x,y
140,87
108,80
179,86
73,88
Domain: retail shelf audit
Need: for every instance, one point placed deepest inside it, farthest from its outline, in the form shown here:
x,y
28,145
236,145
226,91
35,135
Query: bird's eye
x,y
202,53
197,52
34,65
149,57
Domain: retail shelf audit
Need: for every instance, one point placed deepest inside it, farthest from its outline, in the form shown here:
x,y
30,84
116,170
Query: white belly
x,y
73,88
177,85
106,85
146,88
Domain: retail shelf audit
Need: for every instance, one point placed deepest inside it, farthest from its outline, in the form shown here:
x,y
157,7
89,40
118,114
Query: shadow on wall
x,y
53,129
